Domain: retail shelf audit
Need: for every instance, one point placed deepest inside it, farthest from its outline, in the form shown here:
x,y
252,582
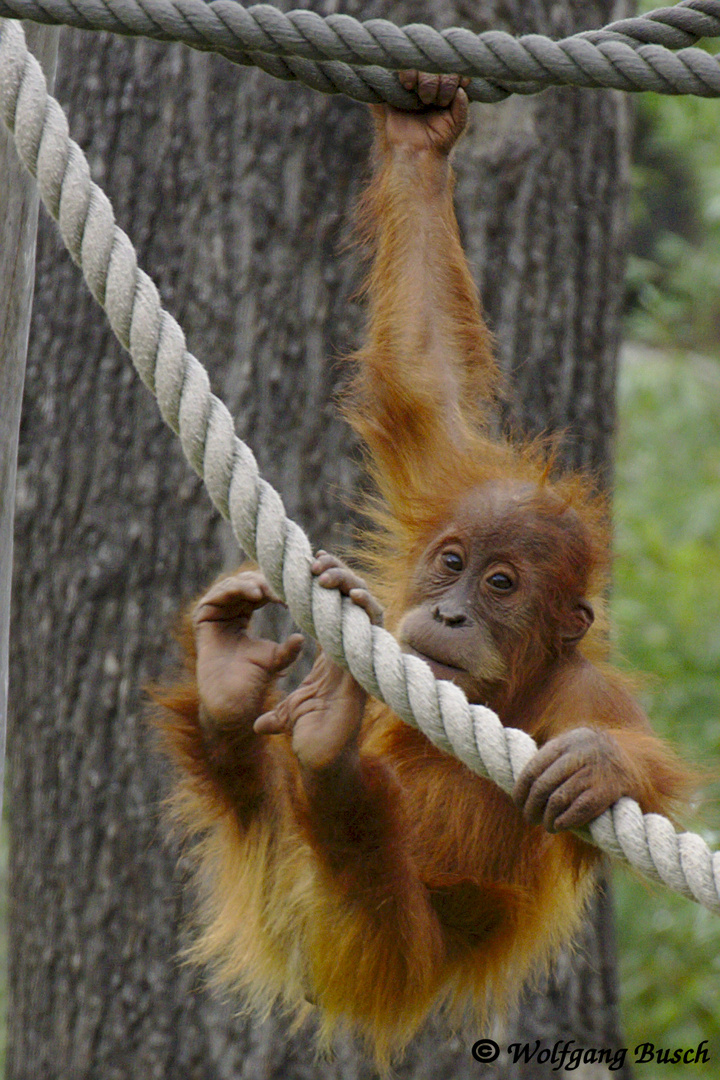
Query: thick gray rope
x,y
338,54
157,346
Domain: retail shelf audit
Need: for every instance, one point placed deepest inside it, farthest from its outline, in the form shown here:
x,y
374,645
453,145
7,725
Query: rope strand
x,y
339,54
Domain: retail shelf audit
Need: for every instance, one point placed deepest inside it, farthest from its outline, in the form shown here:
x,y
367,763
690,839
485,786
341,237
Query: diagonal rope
x,y
156,345
338,54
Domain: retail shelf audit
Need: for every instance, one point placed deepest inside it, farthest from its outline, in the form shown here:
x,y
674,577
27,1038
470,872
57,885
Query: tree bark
x,y
238,193
19,203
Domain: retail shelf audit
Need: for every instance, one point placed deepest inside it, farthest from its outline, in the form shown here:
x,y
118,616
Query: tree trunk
x,y
238,192
19,203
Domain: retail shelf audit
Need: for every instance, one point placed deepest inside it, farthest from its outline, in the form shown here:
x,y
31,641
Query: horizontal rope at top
x,y
338,54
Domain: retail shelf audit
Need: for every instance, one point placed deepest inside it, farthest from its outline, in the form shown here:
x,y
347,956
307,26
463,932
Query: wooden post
x,y
18,227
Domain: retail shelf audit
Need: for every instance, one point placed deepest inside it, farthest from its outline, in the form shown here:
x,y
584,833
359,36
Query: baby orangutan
x,y
343,860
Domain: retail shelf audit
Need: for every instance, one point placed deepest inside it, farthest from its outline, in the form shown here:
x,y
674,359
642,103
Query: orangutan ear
x,y
578,623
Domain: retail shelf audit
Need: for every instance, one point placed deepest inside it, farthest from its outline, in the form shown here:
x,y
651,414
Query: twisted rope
x,y
157,347
338,54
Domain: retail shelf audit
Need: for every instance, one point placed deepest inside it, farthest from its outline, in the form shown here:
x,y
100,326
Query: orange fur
x,y
422,885
453,897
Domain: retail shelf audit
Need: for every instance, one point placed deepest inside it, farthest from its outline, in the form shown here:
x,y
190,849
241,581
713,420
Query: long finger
x,y
234,596
447,88
428,85
408,78
339,577
274,722
545,757
324,561
545,785
368,603
459,108
584,808
286,652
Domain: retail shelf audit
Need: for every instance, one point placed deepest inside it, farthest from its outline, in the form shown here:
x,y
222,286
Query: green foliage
x,y
667,581
667,616
674,273
675,295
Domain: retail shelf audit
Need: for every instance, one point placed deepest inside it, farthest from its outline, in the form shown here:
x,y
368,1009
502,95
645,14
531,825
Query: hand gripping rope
x,y
156,345
338,54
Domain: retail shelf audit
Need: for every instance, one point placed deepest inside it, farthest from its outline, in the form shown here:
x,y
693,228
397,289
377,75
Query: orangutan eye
x,y
453,561
501,582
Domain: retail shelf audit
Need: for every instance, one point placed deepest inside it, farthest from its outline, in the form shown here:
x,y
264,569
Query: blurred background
x,y
666,603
